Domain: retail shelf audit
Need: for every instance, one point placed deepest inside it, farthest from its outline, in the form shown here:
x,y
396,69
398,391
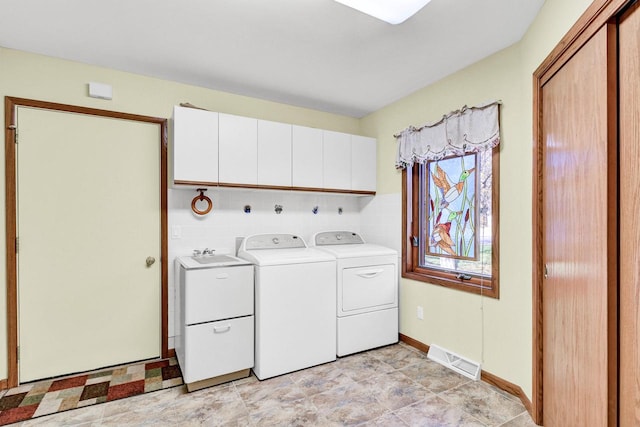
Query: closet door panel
x,y
576,242
629,81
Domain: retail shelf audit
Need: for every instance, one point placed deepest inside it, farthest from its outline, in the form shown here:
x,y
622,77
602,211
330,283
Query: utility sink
x,y
215,259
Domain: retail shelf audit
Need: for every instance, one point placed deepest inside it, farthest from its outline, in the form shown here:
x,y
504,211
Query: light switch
x,y
176,232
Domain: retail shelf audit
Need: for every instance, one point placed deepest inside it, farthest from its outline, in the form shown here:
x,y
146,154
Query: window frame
x,y
411,268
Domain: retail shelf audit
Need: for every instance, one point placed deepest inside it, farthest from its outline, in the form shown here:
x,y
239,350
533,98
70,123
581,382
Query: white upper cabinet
x,y
307,157
212,148
195,146
336,148
238,151
363,163
274,153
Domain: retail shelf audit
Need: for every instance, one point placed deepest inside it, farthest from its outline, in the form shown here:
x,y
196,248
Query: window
x,y
450,200
450,217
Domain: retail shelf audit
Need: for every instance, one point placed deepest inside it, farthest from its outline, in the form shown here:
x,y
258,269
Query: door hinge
x,y
15,132
18,353
17,244
414,241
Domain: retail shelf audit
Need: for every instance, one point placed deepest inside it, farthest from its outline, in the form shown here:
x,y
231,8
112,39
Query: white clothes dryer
x,y
367,284
295,300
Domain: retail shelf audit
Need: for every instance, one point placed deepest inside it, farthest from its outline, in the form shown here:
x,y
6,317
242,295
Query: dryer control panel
x,y
338,238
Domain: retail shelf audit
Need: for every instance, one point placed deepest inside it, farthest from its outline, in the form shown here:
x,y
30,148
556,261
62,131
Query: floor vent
x,y
449,359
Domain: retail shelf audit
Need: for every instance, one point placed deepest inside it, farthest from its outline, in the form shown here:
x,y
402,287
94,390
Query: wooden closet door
x,y
629,81
577,244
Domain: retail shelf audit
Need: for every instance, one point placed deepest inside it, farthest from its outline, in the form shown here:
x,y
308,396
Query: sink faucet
x,y
208,251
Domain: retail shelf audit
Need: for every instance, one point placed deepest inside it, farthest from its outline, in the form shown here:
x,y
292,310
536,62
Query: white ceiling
x,y
311,53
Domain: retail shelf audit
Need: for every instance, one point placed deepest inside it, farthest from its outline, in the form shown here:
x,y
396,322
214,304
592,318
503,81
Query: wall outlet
x,y
420,312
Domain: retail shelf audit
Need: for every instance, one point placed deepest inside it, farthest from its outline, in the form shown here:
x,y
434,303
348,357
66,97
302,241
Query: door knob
x,y
150,261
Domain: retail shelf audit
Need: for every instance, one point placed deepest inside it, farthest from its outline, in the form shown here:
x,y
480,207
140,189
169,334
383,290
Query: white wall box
x,y
307,157
274,153
215,323
336,160
238,150
195,146
363,163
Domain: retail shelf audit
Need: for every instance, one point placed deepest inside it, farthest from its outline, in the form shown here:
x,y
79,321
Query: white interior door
x,y
88,198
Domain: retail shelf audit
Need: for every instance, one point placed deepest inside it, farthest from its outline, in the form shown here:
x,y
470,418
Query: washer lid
x,y
263,257
280,249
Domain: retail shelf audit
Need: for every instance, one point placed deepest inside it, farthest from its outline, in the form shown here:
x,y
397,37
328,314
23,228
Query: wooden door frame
x,y
598,14
10,108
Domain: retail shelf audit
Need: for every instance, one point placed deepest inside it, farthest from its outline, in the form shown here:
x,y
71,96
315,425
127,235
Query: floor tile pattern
x,y
56,395
391,386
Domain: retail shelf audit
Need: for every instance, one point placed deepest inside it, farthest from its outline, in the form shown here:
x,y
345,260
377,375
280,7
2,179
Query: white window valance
x,y
467,130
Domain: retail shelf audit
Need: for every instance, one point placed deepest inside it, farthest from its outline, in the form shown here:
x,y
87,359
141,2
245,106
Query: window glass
x,y
452,203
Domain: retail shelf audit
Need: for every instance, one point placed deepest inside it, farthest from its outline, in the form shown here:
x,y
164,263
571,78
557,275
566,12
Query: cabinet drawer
x,y
218,348
218,293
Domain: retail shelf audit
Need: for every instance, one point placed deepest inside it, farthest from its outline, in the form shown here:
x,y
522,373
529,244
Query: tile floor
x,y
391,386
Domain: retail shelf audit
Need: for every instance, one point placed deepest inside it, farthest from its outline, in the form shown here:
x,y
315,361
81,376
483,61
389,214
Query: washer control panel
x,y
273,241
338,238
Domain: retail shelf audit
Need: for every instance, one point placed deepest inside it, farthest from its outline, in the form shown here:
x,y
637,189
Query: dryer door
x,y
367,288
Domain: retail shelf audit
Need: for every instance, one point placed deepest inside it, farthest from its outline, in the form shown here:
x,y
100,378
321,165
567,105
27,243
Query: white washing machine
x,y
295,300
367,299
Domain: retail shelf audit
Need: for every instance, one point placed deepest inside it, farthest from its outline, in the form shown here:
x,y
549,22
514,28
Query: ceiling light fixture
x,y
391,11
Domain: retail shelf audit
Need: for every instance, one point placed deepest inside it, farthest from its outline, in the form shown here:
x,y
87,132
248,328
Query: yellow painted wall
x,y
39,77
494,332
498,333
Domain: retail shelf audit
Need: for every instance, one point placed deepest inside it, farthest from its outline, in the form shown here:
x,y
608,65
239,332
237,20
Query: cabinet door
x,y
307,157
238,149
363,163
336,161
195,146
274,153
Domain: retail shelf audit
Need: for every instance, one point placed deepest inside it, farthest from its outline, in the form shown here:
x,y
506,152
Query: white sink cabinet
x,y
215,340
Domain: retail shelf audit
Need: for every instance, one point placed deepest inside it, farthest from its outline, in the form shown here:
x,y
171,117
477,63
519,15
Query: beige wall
x,y
38,77
494,332
498,333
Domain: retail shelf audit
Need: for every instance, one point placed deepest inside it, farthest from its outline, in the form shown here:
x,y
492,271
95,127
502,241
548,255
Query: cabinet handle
x,y
222,276
369,274
221,329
